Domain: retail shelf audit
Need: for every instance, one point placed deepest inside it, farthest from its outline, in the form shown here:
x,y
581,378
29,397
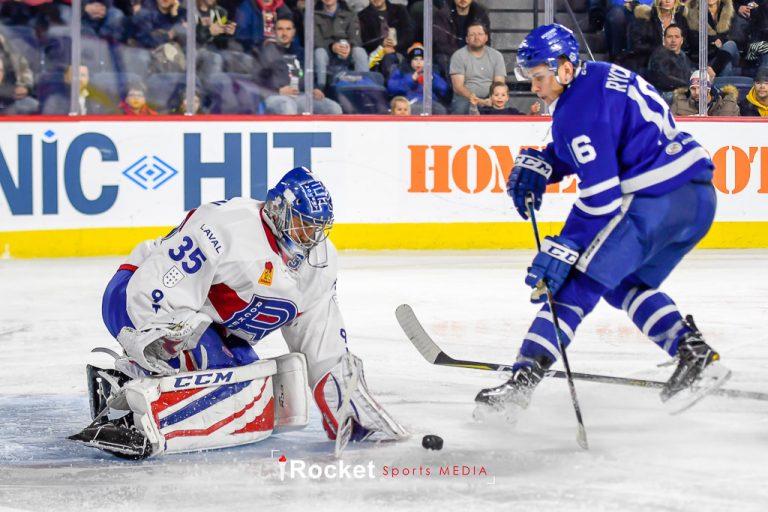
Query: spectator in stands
x,y
756,102
163,31
10,103
742,21
35,13
723,102
722,52
400,106
16,83
214,32
618,18
499,96
179,106
387,32
757,34
135,102
409,82
444,42
101,19
463,14
669,66
256,22
337,40
646,33
282,71
90,100
473,69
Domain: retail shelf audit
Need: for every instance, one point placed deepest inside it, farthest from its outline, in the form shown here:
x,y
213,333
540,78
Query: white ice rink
x,y
714,457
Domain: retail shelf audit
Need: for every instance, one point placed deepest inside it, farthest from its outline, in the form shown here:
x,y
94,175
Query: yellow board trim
x,y
465,235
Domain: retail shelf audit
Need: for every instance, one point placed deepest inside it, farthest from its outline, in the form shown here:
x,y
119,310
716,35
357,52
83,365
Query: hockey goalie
x,y
187,310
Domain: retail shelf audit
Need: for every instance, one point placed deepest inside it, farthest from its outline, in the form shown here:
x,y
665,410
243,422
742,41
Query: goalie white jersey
x,y
224,261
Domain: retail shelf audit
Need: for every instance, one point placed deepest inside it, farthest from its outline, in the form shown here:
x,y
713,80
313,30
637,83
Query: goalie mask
x,y
299,211
545,45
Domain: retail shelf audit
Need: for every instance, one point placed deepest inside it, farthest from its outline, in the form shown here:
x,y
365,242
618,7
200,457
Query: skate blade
x,y
712,378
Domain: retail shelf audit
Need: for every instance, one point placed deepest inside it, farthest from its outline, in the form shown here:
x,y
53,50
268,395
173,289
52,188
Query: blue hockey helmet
x,y
545,45
300,211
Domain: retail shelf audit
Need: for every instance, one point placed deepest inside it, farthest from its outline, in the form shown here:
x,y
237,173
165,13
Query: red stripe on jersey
x,y
225,301
329,420
128,266
216,426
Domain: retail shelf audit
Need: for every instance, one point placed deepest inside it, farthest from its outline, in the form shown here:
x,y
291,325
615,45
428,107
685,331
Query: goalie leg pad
x,y
204,409
291,392
369,417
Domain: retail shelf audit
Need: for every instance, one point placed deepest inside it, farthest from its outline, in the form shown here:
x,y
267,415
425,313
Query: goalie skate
x,y
117,437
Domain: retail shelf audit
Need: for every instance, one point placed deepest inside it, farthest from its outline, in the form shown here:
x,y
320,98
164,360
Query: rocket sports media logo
x,y
298,469
338,470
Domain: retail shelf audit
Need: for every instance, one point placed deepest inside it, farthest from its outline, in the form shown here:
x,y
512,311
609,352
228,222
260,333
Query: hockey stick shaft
x,y
581,436
435,355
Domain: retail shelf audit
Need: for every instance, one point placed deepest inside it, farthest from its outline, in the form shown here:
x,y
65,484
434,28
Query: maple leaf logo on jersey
x,y
266,276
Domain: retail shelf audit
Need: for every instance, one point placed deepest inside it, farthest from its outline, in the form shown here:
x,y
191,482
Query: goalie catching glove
x,y
152,346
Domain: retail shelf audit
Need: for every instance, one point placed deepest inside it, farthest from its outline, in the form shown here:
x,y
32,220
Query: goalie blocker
x,y
209,409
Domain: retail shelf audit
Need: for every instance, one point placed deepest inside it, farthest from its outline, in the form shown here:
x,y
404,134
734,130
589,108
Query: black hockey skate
x,y
511,397
118,437
698,372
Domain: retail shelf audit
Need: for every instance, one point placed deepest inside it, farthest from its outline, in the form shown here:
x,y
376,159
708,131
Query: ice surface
x,y
713,457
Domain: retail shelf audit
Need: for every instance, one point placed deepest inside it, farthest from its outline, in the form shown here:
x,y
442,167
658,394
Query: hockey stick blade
x,y
435,355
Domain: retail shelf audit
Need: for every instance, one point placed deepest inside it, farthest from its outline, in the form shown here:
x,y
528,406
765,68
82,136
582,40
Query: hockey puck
x,y
432,442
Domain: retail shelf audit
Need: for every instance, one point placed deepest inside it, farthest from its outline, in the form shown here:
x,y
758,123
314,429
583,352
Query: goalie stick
x,y
435,355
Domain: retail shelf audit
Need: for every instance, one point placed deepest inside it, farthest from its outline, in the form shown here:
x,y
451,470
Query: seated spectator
x,y
179,106
722,52
756,102
646,32
463,14
135,102
719,102
499,96
669,67
757,34
256,22
40,14
102,20
400,106
162,30
90,100
337,41
387,32
618,18
17,82
10,103
742,21
444,41
214,32
473,69
282,71
410,83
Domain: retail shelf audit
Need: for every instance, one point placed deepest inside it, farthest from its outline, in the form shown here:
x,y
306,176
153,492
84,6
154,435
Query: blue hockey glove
x,y
551,266
529,175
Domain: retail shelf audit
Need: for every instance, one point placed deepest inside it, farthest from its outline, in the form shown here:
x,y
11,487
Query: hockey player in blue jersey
x,y
645,200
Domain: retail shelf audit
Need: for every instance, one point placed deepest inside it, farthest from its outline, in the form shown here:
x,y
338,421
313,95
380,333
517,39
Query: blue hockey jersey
x,y
615,132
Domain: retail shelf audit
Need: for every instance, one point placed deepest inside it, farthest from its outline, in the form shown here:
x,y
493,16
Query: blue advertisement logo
x,y
150,173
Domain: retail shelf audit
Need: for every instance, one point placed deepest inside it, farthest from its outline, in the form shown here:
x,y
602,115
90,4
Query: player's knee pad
x,y
204,409
291,392
369,417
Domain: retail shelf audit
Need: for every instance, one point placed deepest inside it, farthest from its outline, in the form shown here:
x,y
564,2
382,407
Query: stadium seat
x,y
361,92
233,93
163,88
133,60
